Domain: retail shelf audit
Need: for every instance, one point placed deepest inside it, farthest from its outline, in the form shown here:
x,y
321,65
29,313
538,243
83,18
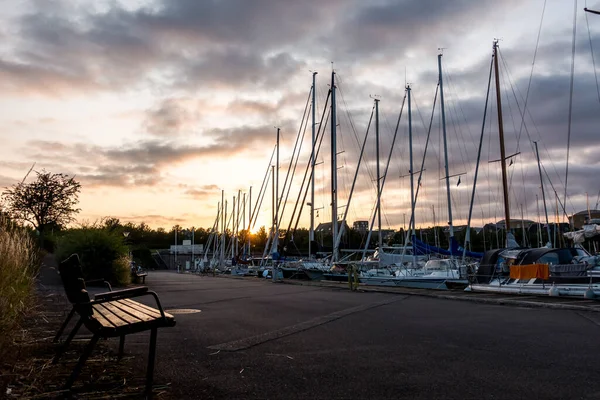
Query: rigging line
x,y
410,221
263,187
380,189
319,137
506,68
592,51
521,112
571,97
531,75
369,172
296,154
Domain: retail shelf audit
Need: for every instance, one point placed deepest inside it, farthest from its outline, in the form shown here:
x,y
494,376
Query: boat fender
x,y
553,292
589,294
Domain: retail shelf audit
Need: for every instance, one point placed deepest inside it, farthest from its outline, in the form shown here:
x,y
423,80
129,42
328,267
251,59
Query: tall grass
x,y
19,265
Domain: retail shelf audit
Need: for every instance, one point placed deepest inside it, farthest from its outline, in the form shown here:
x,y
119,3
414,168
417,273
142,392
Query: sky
x,y
156,107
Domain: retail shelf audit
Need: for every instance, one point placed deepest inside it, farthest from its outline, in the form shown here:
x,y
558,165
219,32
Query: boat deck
x,y
567,303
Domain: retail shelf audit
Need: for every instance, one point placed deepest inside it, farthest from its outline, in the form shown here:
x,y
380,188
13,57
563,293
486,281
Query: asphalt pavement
x,y
241,338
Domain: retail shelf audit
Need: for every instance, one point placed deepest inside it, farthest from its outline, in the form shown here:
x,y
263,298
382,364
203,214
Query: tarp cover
x,y
526,272
421,248
569,269
587,232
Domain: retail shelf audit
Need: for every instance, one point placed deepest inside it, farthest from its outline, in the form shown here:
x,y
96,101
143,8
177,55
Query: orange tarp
x,y
541,271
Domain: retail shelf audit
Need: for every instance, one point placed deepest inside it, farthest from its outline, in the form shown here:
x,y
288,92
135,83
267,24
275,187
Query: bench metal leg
x,y
64,325
150,371
64,346
121,346
81,362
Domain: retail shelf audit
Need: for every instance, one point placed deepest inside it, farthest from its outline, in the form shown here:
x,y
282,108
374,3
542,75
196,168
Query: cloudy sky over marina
x,y
156,106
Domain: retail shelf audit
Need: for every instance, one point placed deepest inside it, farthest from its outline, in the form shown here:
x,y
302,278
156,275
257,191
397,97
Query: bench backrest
x,y
73,282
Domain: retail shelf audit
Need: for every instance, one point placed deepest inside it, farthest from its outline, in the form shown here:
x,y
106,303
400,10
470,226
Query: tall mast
x,y
501,136
380,239
224,233
468,233
311,232
244,222
249,221
412,179
237,222
450,226
273,202
537,154
276,238
334,227
222,253
233,228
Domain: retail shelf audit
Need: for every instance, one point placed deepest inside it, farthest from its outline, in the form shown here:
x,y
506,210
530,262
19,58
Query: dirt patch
x,y
27,372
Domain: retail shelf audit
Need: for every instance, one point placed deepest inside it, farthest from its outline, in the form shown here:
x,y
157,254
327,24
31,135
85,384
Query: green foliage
x,y
102,252
48,203
19,264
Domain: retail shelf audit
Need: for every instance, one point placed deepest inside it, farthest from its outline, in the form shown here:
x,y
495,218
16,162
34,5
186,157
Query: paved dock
x,y
251,338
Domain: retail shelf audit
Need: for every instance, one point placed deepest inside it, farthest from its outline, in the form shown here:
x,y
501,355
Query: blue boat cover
x,y
422,248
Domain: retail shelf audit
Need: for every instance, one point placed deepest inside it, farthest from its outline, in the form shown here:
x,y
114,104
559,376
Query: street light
x,y
126,235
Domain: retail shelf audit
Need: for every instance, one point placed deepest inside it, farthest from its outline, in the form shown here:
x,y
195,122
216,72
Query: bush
x,y
19,265
102,253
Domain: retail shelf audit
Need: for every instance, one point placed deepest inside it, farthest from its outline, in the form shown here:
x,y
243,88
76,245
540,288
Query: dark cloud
x,y
172,117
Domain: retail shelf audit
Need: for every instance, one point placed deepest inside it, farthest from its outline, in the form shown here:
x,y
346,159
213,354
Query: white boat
x,y
434,275
541,271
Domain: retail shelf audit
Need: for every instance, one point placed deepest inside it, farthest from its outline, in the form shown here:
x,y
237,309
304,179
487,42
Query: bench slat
x,y
115,319
145,308
129,308
98,316
127,313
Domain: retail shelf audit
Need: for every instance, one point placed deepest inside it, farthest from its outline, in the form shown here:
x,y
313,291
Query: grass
x,y
19,265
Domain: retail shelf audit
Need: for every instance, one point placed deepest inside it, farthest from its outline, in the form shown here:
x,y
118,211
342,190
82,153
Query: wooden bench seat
x,y
115,318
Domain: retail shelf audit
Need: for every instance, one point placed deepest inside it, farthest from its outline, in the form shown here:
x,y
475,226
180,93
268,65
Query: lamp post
x,y
193,260
126,235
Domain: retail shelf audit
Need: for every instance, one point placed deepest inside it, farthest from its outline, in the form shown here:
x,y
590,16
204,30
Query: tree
x,y
48,202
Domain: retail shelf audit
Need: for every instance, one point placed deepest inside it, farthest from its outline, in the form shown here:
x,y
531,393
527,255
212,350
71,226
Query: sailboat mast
x,y
233,228
222,253
244,222
450,227
412,179
380,239
334,227
276,238
249,221
501,136
537,155
311,232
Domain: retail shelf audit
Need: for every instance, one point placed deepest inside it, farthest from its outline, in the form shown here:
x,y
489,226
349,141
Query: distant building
x,y
361,226
516,223
325,228
582,217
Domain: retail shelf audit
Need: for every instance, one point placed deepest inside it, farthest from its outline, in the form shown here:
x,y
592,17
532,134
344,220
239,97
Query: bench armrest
x,y
130,293
121,294
99,280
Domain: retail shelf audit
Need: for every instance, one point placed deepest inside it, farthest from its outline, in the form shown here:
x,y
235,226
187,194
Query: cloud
x,y
172,117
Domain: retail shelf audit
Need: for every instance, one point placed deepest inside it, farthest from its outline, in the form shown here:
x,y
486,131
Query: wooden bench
x,y
110,314
137,275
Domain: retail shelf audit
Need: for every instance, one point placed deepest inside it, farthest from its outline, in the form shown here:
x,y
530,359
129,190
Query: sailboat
x,y
437,271
541,271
